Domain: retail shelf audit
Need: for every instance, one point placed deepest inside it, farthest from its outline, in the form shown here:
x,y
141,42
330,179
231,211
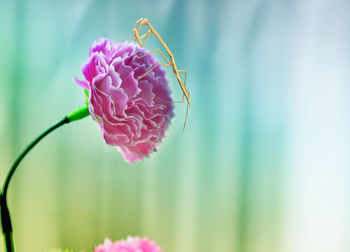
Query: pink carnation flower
x,y
131,244
124,104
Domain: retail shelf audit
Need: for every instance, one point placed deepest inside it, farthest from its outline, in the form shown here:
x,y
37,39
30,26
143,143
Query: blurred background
x,y
264,162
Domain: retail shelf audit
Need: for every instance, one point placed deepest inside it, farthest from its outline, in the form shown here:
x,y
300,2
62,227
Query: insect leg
x,y
183,98
149,31
155,50
137,22
148,34
183,93
169,65
140,77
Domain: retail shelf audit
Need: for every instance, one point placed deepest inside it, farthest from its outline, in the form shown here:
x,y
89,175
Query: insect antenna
x,y
154,15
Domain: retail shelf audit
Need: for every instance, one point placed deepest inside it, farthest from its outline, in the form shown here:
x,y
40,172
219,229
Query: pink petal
x,y
81,83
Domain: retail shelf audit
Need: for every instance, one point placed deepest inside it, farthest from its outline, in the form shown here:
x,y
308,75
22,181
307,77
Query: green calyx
x,y
86,96
79,113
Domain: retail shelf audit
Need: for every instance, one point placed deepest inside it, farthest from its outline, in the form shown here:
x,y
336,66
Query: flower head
x,y
131,244
128,104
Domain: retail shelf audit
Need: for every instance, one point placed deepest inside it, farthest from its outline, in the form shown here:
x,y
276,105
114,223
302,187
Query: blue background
x,y
263,165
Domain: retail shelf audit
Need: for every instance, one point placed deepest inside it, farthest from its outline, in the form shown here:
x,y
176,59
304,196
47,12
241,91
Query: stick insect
x,y
171,63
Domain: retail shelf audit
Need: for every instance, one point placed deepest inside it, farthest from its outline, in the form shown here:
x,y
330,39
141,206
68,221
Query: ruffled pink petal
x,y
114,100
81,83
146,93
122,68
94,67
131,244
127,107
130,85
130,156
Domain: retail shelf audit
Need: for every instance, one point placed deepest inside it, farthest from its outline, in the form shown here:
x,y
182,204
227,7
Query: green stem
x,y
78,114
6,223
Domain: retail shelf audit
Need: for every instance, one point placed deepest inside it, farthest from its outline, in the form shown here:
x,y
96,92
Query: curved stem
x,y
5,214
26,150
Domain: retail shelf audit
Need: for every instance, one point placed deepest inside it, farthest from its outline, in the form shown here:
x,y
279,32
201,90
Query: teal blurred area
x,y
263,165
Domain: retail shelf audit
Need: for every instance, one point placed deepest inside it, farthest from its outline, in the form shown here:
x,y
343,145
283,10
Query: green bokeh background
x,y
263,165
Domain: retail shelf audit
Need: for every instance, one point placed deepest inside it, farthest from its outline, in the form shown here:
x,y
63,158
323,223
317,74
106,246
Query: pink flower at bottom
x,y
131,105
131,244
